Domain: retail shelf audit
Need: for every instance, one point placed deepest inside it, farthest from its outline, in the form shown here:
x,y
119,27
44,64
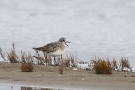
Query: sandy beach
x,y
10,73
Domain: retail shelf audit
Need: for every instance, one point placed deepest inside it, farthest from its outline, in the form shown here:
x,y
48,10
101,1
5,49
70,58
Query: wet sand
x,y
48,76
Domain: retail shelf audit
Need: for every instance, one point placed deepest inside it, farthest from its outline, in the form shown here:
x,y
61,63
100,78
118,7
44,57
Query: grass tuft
x,y
102,66
40,60
69,61
27,62
27,67
125,63
114,64
2,54
12,56
72,59
60,69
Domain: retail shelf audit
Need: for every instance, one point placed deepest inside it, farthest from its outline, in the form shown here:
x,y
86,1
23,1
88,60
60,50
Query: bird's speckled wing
x,y
51,47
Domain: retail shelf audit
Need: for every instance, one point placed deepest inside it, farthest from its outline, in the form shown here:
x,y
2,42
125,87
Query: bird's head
x,y
63,40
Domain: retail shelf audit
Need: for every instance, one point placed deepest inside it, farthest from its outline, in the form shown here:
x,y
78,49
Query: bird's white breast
x,y
56,53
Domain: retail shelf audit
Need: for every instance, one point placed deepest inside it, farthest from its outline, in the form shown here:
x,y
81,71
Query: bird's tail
x,y
39,48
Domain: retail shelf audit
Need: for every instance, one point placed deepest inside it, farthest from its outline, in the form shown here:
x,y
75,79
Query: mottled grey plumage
x,y
51,47
54,48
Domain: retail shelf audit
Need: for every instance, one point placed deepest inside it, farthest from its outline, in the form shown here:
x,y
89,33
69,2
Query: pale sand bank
x,y
48,76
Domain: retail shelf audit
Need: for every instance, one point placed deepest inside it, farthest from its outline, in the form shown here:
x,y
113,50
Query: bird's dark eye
x,y
63,40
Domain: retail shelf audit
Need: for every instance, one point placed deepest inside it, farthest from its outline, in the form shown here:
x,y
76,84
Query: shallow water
x,y
18,87
102,28
26,88
8,87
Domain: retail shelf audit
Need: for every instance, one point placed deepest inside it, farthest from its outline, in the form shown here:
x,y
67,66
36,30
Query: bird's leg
x,y
45,56
61,58
50,61
54,61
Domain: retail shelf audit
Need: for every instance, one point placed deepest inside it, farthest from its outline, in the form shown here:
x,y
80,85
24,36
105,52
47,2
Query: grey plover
x,y
54,49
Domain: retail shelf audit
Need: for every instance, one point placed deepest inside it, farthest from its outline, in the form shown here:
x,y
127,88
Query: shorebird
x,y
54,49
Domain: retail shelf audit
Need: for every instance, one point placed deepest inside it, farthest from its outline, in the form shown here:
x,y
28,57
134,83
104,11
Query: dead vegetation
x,y
27,62
102,66
69,61
12,56
114,64
27,67
40,60
124,63
2,54
60,69
99,65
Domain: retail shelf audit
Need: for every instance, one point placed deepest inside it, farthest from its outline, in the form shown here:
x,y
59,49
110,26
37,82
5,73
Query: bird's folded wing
x,y
51,47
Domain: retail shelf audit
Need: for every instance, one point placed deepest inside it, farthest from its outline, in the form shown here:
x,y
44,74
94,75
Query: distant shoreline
x,y
48,76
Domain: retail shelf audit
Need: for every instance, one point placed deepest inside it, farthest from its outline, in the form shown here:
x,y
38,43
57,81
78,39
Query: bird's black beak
x,y
67,42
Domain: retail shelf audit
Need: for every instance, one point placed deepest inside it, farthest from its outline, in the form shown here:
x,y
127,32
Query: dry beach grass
x,y
22,70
